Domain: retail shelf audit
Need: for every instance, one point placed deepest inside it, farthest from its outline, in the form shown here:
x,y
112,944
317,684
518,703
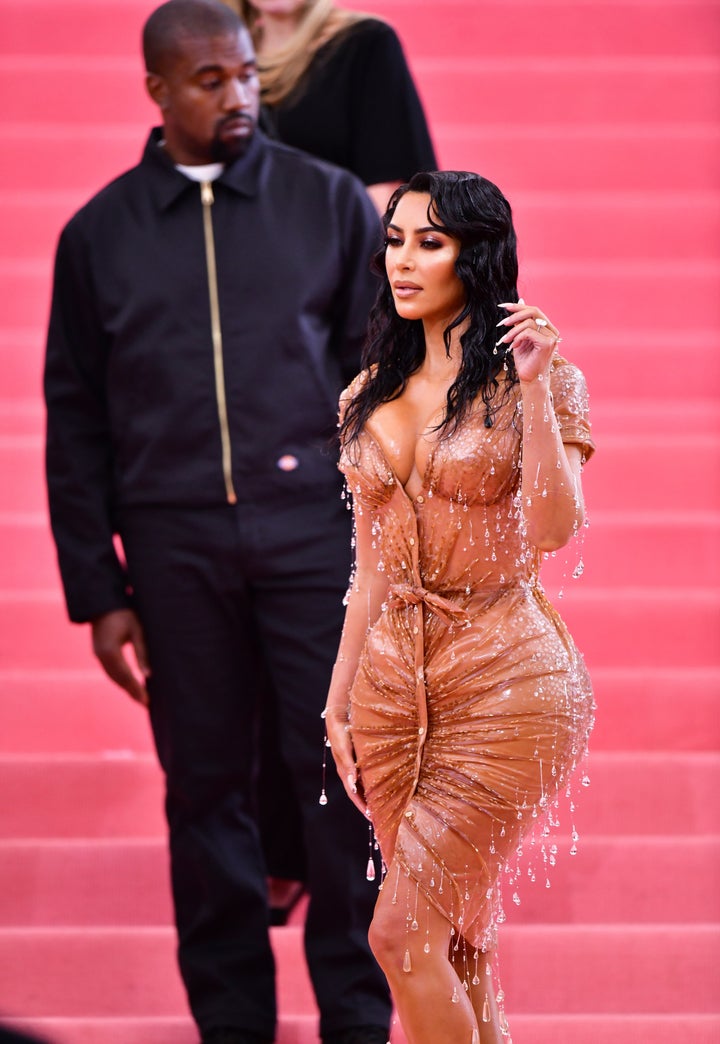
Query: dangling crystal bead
x,y
475,1037
455,998
486,1010
426,947
323,798
414,926
407,963
370,872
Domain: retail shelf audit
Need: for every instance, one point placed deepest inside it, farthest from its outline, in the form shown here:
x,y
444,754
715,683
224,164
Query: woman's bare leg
x,y
431,1002
477,973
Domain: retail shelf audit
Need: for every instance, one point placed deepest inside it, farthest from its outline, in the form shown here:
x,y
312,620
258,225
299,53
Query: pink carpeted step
x,y
586,224
567,158
115,794
654,472
21,356
84,882
301,1029
120,794
646,360
81,712
646,416
637,709
544,969
604,88
624,549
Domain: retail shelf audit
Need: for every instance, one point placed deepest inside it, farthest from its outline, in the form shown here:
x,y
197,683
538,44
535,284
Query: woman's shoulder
x,y
365,34
356,385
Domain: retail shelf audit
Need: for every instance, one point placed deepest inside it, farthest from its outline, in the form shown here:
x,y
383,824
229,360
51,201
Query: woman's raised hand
x,y
532,339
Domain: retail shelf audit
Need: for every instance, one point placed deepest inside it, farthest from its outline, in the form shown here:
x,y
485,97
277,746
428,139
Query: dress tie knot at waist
x,y
411,594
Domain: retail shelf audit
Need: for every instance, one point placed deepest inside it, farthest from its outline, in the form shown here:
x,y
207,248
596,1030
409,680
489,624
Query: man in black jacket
x,y
208,307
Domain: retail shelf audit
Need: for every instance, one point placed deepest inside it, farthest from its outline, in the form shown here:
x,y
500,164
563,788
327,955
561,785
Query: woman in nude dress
x,y
459,705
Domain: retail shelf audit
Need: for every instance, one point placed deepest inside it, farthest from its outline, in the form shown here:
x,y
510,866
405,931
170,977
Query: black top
x,y
357,106
129,377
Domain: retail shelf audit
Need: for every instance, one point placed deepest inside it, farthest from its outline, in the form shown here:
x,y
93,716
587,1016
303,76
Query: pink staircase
x,y
601,121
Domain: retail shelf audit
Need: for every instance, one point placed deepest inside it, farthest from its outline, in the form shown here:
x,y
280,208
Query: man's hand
x,y
110,634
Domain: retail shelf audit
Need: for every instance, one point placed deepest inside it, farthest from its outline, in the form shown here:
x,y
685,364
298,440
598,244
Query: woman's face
x,y
420,264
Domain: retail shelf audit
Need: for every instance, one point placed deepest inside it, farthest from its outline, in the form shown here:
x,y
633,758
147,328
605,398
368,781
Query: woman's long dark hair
x,y
474,211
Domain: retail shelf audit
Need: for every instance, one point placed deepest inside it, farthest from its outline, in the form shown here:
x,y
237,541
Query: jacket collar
x,y
241,176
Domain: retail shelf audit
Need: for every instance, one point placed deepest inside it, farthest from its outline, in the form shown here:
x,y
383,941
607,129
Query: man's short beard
x,y
227,151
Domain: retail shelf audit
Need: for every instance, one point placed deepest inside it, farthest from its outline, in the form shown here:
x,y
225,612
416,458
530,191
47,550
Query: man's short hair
x,y
176,20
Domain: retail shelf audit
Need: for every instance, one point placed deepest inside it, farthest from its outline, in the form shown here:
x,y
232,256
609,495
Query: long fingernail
x,y
505,321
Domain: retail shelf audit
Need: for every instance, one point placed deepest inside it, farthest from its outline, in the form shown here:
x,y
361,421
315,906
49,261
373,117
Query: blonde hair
x,y
281,72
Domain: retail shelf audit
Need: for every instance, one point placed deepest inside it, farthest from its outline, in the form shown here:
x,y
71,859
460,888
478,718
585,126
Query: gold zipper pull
x,y
206,193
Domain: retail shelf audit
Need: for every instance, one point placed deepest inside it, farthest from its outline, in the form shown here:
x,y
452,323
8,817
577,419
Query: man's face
x,y
209,96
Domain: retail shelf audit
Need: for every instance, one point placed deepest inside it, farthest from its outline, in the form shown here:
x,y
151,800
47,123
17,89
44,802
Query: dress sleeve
x,y
350,392
389,131
570,397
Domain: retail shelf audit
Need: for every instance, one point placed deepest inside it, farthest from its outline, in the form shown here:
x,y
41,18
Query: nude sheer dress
x,y
471,705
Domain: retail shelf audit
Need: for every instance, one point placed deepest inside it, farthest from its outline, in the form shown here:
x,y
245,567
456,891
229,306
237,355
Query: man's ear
x,y
156,87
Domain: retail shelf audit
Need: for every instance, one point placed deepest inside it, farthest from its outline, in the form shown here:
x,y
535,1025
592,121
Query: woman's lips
x,y
406,289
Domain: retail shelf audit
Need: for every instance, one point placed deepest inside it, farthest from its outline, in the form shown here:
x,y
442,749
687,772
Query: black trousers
x,y
230,596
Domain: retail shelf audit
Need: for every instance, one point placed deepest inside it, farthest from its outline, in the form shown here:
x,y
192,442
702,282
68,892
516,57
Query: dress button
x,y
420,499
421,731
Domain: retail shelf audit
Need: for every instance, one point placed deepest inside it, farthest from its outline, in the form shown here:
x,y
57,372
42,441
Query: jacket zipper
x,y
208,198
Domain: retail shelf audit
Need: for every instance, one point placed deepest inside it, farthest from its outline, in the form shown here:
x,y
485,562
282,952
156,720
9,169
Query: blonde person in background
x,y
334,83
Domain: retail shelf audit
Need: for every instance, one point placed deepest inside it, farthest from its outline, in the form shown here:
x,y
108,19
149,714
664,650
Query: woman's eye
x,y
392,241
431,244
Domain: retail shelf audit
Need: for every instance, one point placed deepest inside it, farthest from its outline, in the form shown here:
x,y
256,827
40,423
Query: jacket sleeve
x,y
361,236
79,466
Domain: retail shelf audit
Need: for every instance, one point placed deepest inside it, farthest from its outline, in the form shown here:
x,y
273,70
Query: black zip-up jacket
x,y
134,408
